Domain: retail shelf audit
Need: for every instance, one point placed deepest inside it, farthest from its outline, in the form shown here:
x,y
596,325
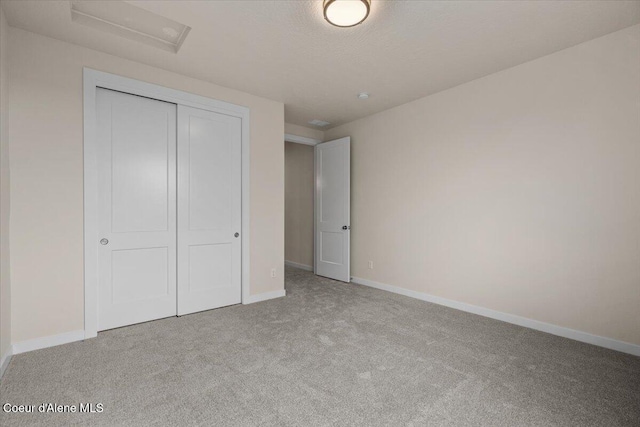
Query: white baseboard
x,y
79,335
50,341
265,296
298,265
4,362
573,334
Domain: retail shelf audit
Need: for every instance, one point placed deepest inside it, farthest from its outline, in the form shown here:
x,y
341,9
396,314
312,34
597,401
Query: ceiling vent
x,y
319,123
131,22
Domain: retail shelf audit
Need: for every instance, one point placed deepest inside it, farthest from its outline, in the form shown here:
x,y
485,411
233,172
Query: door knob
x,y
346,227
237,234
104,241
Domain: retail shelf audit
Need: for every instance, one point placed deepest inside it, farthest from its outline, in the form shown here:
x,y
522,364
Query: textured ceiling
x,y
284,50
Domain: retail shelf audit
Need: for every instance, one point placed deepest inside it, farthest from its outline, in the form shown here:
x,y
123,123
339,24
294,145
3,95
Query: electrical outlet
x,y
273,272
370,265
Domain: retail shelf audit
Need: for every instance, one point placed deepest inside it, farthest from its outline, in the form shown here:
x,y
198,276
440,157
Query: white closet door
x,y
209,210
333,209
137,209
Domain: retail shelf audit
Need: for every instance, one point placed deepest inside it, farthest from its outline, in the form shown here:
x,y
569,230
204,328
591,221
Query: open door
x,y
333,209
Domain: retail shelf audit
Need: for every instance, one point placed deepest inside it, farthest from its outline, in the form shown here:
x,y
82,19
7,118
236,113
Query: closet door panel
x,y
209,210
137,209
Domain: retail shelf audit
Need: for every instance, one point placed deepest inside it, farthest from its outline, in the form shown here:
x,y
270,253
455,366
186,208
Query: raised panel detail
x,y
332,190
331,247
139,162
210,266
210,167
139,274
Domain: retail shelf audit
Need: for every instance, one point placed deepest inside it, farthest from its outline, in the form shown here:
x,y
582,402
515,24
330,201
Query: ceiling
x,y
284,50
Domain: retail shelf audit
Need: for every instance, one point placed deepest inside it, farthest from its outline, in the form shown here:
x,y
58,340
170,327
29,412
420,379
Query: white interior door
x,y
136,209
332,209
209,210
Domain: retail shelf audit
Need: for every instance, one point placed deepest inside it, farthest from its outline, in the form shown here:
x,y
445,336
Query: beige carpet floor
x,y
328,354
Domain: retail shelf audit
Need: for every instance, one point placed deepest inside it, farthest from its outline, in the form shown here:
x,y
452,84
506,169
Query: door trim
x,y
93,79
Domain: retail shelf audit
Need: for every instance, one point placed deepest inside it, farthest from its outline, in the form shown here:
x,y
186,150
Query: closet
x,y
169,209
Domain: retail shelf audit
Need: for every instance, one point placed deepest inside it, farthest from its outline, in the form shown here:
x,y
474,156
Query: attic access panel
x,y
131,22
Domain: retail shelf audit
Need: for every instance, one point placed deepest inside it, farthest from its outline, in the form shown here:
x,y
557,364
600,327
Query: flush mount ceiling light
x,y
346,13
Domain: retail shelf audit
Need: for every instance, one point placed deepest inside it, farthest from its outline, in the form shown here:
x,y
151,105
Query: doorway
x,y
317,206
298,205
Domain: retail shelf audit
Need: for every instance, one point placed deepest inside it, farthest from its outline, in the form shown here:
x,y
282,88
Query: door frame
x,y
92,80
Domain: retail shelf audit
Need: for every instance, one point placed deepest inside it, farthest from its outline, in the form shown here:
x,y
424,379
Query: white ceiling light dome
x,y
346,13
